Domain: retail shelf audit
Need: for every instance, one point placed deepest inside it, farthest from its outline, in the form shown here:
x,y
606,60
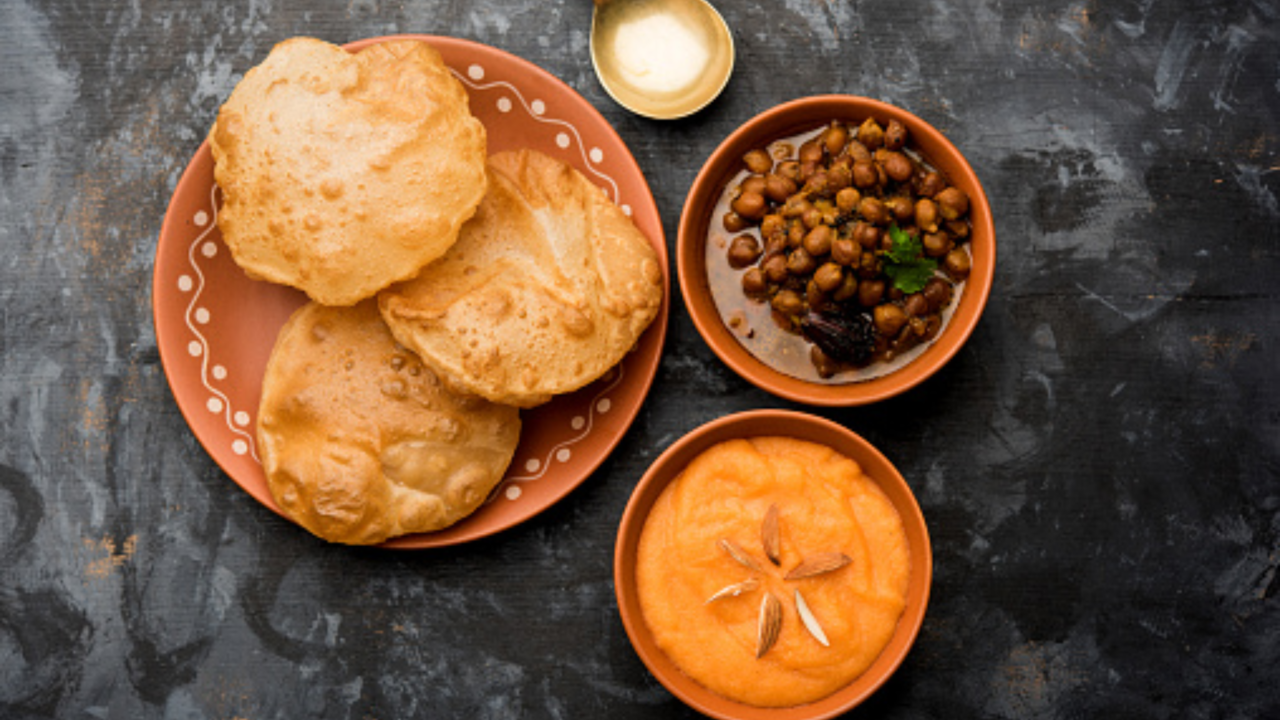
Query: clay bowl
x,y
787,120
759,423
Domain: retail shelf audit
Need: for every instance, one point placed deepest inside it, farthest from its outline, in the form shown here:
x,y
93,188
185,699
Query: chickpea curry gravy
x,y
838,254
772,571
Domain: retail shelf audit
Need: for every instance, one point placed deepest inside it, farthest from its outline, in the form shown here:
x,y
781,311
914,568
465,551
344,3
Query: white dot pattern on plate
x,y
604,405
563,140
580,424
202,247
510,98
626,209
596,155
514,492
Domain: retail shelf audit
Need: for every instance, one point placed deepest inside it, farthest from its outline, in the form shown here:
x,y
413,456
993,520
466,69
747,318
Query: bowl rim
x,y
760,423
795,116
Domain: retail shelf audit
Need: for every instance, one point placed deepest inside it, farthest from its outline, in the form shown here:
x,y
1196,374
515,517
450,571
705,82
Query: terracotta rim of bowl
x,y
790,118
757,423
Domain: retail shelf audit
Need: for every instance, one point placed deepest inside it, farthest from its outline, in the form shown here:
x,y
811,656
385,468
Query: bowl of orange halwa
x,y
772,565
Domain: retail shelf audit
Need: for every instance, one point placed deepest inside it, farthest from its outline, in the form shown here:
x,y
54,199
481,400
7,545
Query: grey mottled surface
x,y
1100,466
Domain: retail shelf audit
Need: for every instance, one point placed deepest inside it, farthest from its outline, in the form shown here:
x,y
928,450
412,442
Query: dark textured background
x,y
1099,467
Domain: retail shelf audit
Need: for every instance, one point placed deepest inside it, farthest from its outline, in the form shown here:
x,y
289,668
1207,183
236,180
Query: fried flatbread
x,y
342,173
548,286
361,443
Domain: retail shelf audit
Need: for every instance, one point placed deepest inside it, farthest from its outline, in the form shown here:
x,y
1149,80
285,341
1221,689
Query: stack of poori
x,y
448,290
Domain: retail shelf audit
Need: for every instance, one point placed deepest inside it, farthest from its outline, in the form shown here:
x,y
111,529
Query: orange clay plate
x,y
215,327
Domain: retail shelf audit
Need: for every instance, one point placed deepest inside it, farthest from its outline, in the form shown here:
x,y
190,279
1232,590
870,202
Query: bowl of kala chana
x,y
836,250
772,565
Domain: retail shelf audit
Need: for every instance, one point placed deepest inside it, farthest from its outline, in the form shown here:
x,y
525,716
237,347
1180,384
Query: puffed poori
x,y
342,173
360,442
547,287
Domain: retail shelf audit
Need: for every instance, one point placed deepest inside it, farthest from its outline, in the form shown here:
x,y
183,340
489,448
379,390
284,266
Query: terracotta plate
x,y
215,327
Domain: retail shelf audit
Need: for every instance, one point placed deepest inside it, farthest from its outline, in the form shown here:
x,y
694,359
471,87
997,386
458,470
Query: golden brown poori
x,y
547,287
342,173
361,442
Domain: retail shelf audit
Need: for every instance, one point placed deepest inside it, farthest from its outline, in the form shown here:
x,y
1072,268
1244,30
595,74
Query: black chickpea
x,y
778,187
870,292
864,174
915,305
775,268
758,161
936,244
821,227
902,209
743,251
871,134
957,263
952,203
872,209
927,215
847,199
788,302
773,225
889,319
848,288
829,277
895,136
868,236
733,222
796,233
937,292
818,241
800,262
930,184
810,152
835,138
750,205
897,166
845,251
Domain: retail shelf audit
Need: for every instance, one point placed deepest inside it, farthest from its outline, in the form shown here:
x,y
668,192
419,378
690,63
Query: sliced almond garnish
x,y
735,590
810,622
770,535
737,553
818,564
770,623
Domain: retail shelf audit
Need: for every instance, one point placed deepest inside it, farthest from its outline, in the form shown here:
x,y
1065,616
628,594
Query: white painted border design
x,y
228,412
535,115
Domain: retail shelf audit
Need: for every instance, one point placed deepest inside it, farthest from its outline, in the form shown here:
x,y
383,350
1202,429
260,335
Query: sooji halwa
x,y
772,571
848,252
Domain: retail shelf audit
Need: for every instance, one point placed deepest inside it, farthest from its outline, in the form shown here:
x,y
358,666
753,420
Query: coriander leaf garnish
x,y
905,263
